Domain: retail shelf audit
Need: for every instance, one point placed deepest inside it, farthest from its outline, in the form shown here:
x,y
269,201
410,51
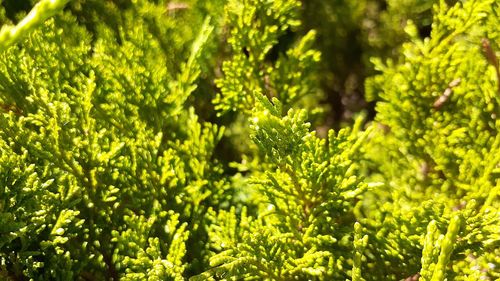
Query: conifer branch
x,y
447,246
43,10
360,243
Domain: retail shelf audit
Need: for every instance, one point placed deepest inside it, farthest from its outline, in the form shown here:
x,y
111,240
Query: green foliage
x,y
137,144
260,63
99,134
256,28
42,11
304,229
437,144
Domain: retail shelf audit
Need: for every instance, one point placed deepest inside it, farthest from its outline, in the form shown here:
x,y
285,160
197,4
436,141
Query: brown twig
x,y
447,93
415,277
173,6
492,58
12,108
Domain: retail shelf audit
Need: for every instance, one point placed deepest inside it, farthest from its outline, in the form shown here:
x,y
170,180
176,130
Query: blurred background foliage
x,y
352,32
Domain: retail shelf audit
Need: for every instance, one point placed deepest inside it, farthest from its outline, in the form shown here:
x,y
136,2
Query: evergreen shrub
x,y
190,140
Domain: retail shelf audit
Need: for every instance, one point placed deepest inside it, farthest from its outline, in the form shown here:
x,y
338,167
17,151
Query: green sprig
x,y
10,34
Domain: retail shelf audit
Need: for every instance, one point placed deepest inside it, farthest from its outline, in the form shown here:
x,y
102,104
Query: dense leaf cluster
x,y
137,144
